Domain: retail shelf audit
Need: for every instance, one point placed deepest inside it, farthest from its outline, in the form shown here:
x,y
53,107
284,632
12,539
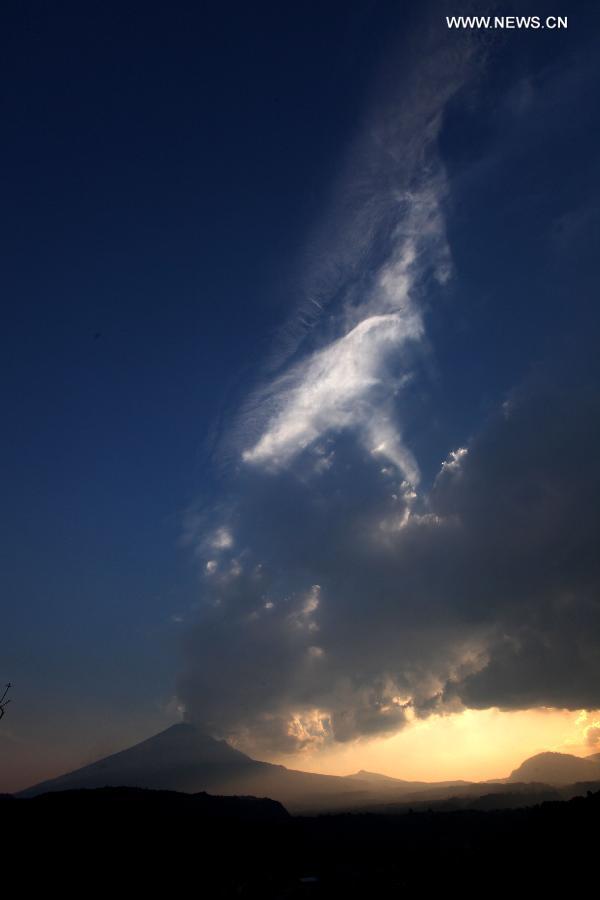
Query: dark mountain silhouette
x,y
116,801
556,769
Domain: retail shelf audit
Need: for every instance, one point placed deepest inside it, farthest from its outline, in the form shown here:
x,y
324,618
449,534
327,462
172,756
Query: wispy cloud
x,y
347,353
344,386
302,628
355,382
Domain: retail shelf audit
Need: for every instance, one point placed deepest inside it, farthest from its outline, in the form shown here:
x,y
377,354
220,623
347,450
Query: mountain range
x,y
182,758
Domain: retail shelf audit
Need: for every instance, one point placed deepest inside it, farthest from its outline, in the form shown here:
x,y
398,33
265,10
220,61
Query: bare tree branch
x,y
3,702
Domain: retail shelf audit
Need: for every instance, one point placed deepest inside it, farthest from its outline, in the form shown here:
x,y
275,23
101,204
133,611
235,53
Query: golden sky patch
x,y
474,745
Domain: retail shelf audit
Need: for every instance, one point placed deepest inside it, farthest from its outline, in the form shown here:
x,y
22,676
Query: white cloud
x,y
222,539
342,387
303,618
355,382
455,460
592,734
347,354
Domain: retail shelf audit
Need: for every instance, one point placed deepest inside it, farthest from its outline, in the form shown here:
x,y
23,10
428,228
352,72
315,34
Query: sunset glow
x,y
475,745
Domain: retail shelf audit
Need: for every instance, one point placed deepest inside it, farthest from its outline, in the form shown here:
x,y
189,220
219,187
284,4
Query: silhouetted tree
x,y
3,701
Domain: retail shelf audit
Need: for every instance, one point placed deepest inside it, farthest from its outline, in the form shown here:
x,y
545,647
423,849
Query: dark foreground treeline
x,y
111,841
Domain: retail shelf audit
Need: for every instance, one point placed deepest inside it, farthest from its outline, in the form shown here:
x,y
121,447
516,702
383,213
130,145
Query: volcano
x,y
182,758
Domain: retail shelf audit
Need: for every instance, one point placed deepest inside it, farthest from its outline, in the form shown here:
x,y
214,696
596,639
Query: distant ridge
x,y
556,769
374,778
364,775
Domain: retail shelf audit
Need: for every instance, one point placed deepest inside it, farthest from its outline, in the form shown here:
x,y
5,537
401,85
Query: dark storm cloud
x,y
528,500
343,599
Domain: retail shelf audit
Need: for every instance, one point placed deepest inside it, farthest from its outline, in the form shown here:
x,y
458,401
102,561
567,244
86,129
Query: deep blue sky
x,y
163,166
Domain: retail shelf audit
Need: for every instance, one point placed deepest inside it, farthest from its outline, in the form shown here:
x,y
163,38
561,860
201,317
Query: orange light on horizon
x,y
474,745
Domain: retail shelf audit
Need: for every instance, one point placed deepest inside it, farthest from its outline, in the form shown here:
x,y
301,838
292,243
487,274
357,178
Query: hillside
x,y
556,769
127,801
